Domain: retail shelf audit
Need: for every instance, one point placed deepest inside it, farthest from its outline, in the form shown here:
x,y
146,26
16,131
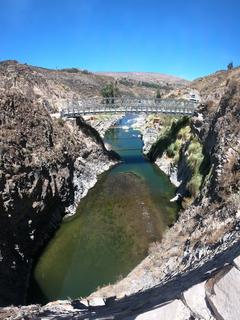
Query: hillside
x,y
147,77
212,87
46,165
194,272
58,88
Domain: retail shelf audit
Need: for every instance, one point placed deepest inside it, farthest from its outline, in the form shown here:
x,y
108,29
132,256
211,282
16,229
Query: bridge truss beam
x,y
133,105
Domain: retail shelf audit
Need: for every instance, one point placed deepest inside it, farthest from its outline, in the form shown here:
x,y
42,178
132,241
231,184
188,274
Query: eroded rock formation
x,y
198,256
46,166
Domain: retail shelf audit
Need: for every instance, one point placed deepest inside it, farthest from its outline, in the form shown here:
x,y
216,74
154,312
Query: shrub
x,y
168,136
195,147
70,70
194,184
85,71
110,90
194,160
171,151
158,94
230,66
126,82
148,84
60,122
184,133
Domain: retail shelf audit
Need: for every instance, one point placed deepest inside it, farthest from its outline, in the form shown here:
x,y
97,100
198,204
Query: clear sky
x,y
187,38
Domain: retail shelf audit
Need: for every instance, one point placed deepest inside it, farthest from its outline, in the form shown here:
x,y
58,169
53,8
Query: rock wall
x,y
197,256
178,171
46,166
60,88
206,293
211,224
102,122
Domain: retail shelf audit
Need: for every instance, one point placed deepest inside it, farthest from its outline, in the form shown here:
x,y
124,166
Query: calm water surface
x,y
110,234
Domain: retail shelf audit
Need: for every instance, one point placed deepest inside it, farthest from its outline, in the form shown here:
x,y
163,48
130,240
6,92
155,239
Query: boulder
x,y
236,262
224,294
195,300
174,310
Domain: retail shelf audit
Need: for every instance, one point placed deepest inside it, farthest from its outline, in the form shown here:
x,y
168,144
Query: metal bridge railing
x,y
113,105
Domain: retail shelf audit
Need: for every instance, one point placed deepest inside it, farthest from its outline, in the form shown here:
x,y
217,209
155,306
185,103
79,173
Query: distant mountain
x,y
150,77
58,88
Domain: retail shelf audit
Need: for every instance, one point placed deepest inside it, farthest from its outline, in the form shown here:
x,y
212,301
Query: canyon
x,y
48,165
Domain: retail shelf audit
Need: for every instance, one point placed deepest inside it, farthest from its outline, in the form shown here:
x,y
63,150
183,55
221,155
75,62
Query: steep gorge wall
x,y
194,272
46,166
180,153
50,149
210,225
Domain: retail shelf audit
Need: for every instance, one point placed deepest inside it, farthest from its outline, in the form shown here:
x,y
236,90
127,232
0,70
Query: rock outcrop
x,y
56,89
46,166
171,152
214,298
210,225
198,257
213,86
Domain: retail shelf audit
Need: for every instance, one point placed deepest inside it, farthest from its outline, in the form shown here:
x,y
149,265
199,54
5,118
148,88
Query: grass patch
x,y
167,137
173,151
173,137
195,159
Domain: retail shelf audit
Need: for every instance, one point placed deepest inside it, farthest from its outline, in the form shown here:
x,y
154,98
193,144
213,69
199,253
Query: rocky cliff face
x,y
56,89
213,87
46,166
41,161
211,224
194,272
176,151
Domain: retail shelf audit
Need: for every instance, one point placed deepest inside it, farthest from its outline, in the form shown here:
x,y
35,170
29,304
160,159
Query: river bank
x,y
102,122
151,128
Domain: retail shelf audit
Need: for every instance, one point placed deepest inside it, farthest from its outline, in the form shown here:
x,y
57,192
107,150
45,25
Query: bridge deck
x,y
120,105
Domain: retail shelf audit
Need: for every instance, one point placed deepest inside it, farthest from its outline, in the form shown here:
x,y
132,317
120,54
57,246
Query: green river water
x,y
110,233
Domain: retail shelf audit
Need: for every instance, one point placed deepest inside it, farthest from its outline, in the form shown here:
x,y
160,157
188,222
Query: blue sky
x,y
184,38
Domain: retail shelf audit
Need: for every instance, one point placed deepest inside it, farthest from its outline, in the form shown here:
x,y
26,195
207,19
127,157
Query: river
x,y
114,225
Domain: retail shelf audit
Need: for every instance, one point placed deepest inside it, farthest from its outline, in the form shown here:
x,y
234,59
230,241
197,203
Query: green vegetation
x,y
110,90
173,151
148,84
75,70
194,160
194,157
175,136
230,66
60,122
158,94
126,82
167,137
85,71
71,70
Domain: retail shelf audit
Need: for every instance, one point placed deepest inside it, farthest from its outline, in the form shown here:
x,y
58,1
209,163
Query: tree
x,y
158,94
230,66
110,91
